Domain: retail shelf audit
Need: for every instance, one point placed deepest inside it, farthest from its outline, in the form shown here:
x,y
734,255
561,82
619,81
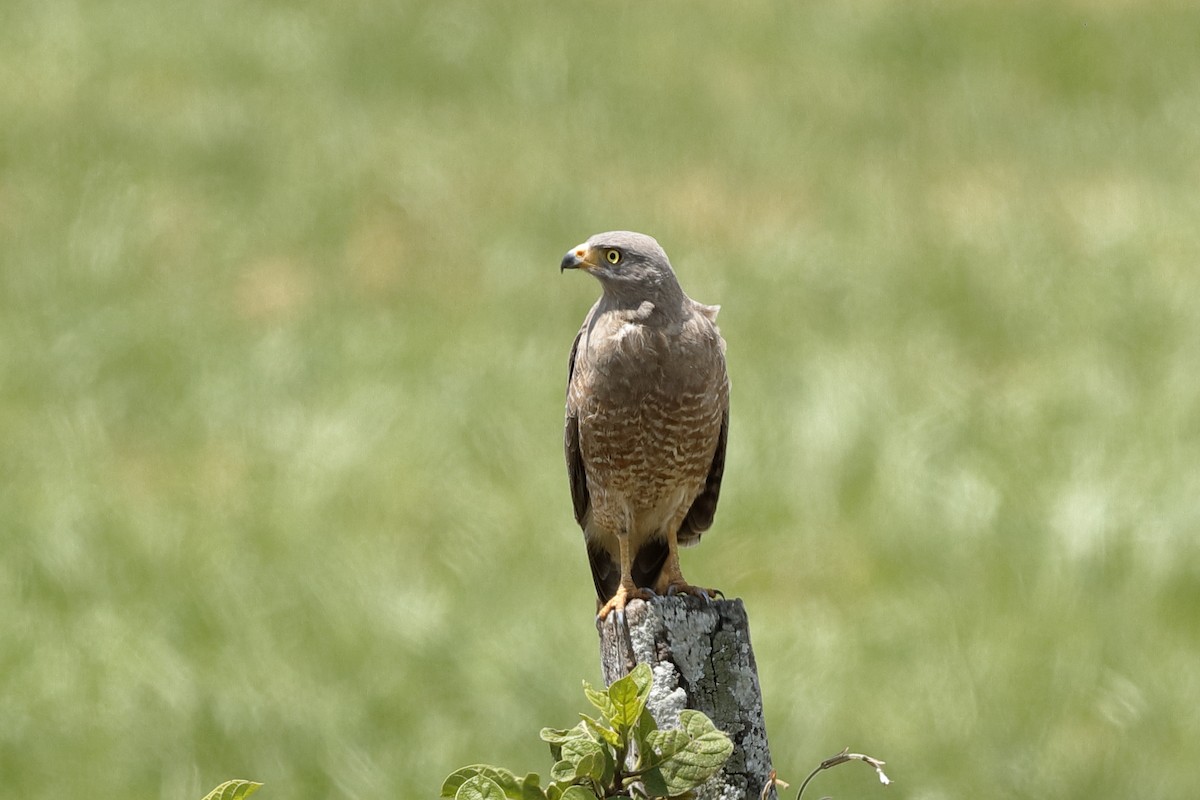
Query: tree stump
x,y
701,657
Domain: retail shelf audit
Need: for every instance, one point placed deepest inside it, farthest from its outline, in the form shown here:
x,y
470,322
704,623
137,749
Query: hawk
x,y
647,420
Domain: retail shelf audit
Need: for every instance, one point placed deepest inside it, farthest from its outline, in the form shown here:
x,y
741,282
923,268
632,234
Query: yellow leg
x,y
671,580
627,590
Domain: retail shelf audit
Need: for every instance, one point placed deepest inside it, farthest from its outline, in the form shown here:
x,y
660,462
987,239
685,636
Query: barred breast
x,y
650,405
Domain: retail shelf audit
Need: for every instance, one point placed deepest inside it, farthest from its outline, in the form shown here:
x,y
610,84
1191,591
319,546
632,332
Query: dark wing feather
x,y
606,573
575,470
700,516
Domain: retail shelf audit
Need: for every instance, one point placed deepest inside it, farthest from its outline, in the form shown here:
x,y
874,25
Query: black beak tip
x,y
570,261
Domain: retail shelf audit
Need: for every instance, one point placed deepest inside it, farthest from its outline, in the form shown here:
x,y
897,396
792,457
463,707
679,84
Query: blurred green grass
x,y
282,351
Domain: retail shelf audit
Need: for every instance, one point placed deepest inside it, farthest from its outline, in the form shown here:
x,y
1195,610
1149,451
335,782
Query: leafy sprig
x,y
622,753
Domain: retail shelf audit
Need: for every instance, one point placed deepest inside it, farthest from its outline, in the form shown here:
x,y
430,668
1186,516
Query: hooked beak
x,y
580,257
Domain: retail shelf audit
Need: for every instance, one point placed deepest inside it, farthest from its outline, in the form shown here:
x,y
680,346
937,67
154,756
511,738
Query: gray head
x,y
631,267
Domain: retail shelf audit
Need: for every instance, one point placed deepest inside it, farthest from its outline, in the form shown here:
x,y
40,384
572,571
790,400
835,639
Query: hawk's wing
x,y
606,573
700,516
575,470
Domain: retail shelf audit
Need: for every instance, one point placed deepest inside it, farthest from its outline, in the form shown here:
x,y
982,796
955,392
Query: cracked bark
x,y
701,657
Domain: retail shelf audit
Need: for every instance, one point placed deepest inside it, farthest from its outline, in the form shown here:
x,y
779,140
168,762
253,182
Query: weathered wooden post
x,y
701,657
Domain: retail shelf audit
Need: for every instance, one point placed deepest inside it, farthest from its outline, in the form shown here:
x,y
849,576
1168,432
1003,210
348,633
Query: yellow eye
x,y
613,256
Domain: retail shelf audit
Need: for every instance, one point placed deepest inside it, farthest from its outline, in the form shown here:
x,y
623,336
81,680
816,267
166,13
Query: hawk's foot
x,y
617,602
680,587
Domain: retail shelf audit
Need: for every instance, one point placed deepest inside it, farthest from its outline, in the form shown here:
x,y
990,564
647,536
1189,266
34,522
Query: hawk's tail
x,y
606,572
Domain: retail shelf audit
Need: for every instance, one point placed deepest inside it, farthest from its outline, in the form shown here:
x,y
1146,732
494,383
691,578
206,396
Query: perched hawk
x,y
647,419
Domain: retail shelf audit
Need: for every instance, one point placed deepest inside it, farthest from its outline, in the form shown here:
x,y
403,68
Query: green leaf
x,y
562,772
601,731
664,744
578,792
705,752
561,735
643,677
600,700
233,790
586,756
628,696
556,737
479,787
507,781
531,787
655,783
641,733
578,749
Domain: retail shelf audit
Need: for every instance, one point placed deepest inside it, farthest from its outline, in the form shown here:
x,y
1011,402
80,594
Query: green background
x,y
283,347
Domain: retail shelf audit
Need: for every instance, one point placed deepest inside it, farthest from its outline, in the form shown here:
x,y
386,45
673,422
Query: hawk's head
x,y
624,262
